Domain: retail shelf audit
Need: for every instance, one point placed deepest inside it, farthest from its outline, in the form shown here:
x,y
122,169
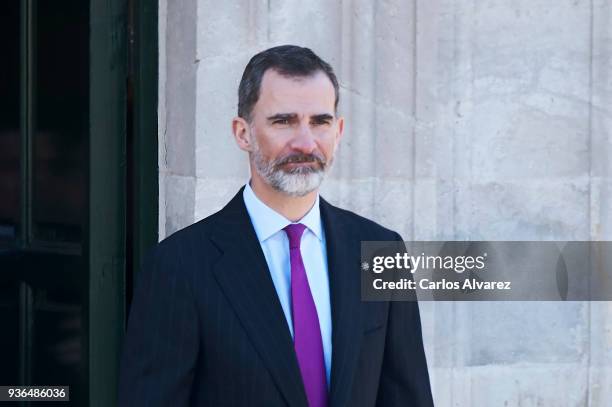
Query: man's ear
x,y
340,131
242,134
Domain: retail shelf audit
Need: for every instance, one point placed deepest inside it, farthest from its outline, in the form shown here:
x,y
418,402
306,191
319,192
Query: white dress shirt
x,y
269,226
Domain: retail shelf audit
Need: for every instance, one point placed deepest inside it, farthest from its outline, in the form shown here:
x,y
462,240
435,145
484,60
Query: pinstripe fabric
x,y
206,327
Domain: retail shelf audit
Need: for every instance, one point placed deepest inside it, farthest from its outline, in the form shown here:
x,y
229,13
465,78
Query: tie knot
x,y
294,232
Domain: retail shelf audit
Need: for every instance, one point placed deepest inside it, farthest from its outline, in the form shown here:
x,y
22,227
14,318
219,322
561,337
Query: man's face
x,y
294,132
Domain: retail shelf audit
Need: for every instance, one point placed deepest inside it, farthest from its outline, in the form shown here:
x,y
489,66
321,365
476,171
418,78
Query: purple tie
x,y
306,330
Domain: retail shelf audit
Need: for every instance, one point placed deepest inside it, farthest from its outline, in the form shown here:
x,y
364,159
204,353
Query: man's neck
x,y
293,208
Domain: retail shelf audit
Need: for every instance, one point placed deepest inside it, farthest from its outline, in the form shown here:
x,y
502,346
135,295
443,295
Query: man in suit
x,y
259,304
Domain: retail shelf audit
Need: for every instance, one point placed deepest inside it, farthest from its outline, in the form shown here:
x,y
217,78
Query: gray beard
x,y
298,182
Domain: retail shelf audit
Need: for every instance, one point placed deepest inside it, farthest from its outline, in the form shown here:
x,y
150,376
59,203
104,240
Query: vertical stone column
x,y
600,313
177,103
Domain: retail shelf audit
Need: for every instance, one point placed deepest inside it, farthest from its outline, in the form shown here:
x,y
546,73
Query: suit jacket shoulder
x,y
364,228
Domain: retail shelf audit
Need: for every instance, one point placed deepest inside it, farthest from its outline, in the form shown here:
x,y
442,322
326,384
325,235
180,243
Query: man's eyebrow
x,y
323,116
282,116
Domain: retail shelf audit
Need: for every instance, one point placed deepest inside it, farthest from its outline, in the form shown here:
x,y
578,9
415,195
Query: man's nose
x,y
304,139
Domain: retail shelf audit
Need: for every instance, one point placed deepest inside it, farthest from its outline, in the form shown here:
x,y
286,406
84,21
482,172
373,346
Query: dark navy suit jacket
x,y
206,327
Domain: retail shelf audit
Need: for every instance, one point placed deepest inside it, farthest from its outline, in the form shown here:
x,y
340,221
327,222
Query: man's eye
x,y
321,122
281,121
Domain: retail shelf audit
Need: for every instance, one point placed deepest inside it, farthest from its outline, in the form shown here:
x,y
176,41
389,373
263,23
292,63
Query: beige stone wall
x,y
473,120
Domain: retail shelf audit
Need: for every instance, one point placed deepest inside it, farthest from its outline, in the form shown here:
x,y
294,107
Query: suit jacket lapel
x,y
243,275
344,281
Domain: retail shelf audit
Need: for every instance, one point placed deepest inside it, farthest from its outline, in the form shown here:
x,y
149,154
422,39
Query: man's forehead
x,y
282,92
277,84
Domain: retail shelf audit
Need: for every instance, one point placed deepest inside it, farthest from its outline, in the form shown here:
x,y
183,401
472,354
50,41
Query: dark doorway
x,y
78,186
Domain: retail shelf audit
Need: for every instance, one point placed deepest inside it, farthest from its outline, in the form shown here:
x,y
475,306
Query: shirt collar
x,y
267,221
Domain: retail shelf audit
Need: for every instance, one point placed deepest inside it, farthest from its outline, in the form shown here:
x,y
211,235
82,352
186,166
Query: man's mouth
x,y
300,164
302,159
301,167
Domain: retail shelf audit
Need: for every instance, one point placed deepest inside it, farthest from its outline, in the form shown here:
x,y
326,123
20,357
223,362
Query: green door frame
x,y
145,179
107,195
120,31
